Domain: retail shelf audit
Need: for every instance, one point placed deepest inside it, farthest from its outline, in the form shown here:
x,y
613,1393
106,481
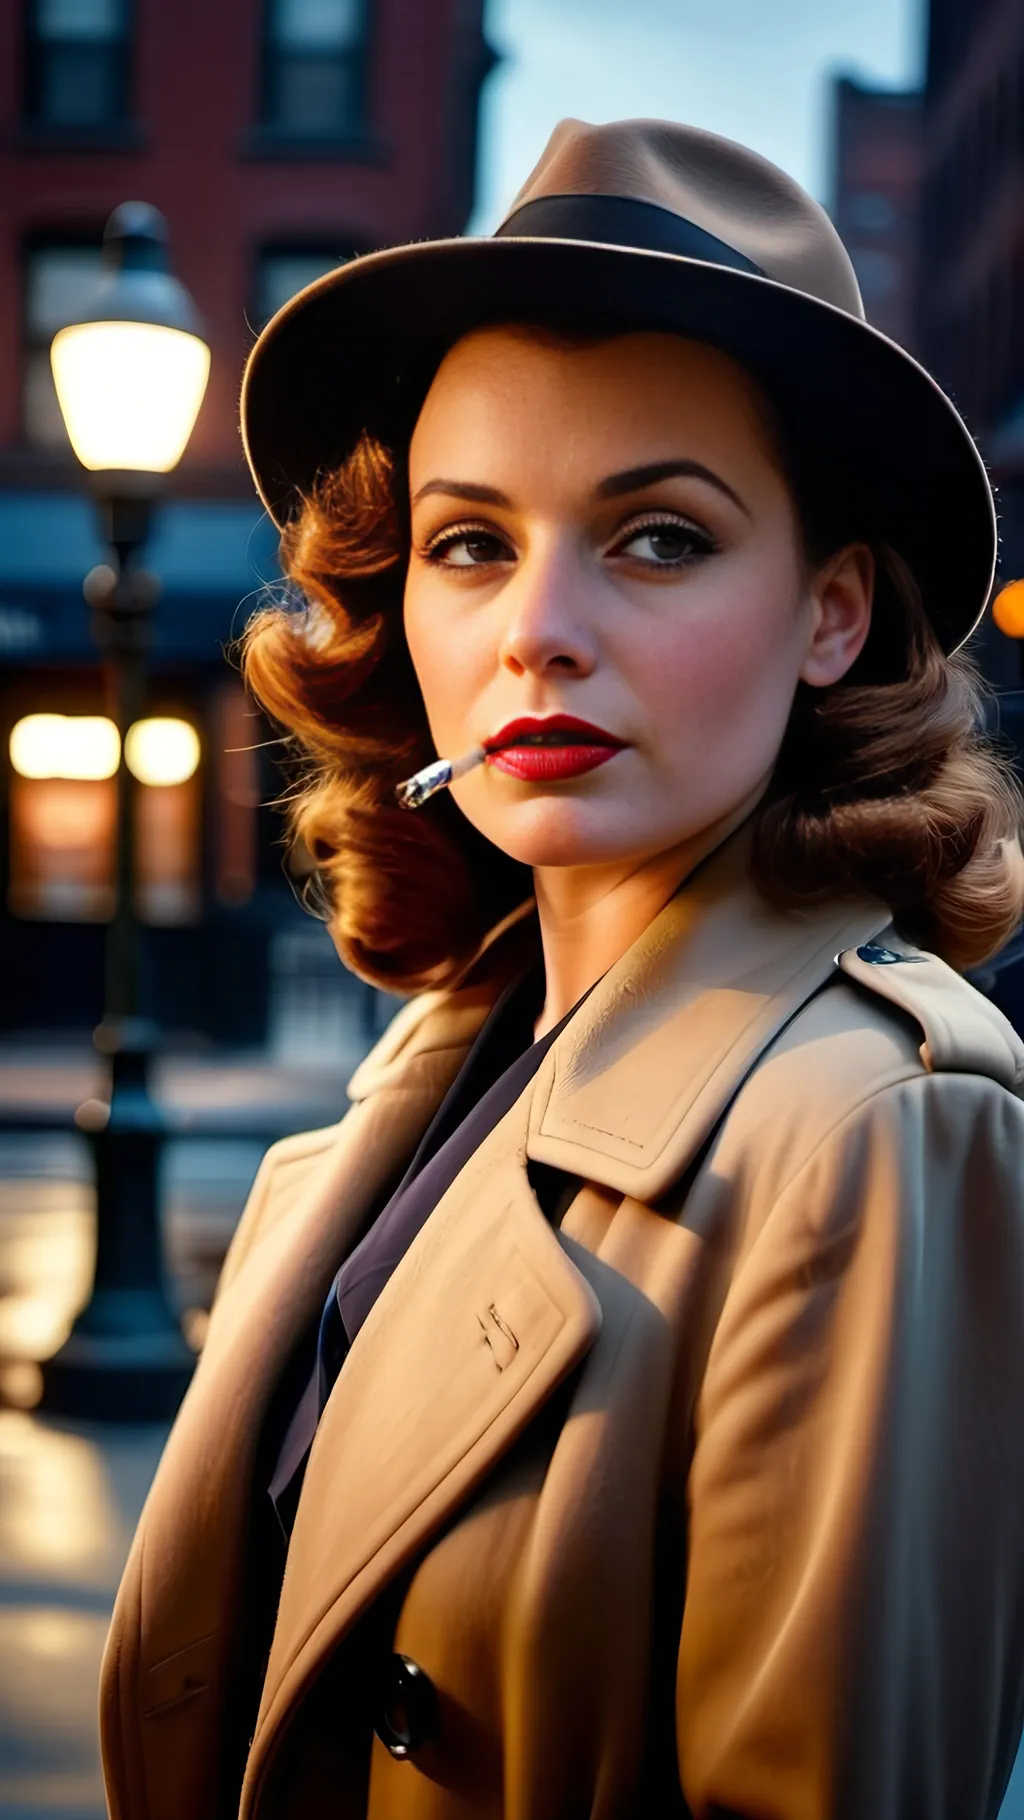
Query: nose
x,y
547,626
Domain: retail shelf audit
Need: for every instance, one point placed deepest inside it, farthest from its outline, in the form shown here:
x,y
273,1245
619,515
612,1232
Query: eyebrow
x,y
463,489
631,480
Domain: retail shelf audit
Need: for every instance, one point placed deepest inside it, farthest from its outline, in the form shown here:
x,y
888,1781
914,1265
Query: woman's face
x,y
602,532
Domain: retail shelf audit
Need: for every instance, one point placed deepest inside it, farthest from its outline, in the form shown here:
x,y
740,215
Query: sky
x,y
754,70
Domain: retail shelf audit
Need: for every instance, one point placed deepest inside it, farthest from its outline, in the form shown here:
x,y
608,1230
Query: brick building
x,y
875,181
971,291
971,299
277,137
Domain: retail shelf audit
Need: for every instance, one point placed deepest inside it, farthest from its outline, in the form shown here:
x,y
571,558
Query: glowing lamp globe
x,y
131,372
1008,609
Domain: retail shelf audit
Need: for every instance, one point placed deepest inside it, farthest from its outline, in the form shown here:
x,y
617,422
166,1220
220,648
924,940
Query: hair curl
x,y
886,782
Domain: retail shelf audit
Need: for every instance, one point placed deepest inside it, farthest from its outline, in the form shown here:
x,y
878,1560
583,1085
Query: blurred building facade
x,y
971,285
971,304
876,174
927,193
278,137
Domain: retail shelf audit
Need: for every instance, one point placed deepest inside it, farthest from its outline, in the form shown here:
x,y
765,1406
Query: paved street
x,y
70,1495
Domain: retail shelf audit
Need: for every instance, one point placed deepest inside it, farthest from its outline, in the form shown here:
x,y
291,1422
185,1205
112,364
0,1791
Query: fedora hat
x,y
641,224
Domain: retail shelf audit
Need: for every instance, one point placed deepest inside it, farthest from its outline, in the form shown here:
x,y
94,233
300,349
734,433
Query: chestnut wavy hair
x,y
885,783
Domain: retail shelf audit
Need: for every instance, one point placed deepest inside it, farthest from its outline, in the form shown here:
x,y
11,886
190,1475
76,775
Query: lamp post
x,y
130,375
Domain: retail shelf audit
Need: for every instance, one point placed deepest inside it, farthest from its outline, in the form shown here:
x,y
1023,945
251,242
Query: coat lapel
x,y
181,1589
481,1321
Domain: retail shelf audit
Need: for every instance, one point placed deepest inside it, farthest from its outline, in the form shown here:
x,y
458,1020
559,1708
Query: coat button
x,y
408,1714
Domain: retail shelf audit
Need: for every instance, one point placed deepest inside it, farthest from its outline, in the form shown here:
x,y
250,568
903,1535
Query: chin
x,y
562,833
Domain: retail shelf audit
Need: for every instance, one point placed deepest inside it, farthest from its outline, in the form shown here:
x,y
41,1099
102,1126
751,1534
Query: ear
x,y
841,595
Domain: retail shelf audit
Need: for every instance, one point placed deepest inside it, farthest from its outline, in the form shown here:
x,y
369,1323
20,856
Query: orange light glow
x,y
1008,609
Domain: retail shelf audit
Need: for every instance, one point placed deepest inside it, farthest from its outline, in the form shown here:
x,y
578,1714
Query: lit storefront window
x,y
63,817
62,848
162,752
80,747
167,852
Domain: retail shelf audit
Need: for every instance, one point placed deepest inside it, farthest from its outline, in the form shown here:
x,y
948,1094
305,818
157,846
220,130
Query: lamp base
x,y
126,1358
118,1377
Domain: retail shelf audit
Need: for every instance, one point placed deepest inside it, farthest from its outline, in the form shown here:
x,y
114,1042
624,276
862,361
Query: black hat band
x,y
621,221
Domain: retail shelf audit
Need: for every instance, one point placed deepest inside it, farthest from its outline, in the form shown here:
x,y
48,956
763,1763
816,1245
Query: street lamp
x,y
130,375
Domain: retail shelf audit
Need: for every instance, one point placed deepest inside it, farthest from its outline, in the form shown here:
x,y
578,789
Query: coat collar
x,y
640,1076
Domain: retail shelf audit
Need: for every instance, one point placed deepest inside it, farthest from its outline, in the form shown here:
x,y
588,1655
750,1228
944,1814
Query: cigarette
x,y
437,776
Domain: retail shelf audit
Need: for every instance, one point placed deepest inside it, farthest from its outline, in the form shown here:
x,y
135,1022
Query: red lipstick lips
x,y
549,749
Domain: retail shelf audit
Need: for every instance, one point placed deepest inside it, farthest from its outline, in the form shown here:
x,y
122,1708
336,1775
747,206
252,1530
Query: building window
x,y
281,271
314,68
76,72
57,275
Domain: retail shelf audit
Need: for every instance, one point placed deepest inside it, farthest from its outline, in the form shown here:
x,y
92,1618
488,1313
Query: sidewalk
x,y
248,1090
222,1113
69,1502
70,1494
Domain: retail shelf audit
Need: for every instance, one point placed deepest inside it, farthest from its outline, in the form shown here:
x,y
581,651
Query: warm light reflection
x,y
162,751
47,1263
21,1384
81,746
60,1512
129,392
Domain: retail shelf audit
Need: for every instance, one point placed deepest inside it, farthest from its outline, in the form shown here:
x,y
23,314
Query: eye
x,y
466,547
665,543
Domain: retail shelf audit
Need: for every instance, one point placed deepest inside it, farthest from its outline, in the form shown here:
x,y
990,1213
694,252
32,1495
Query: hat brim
x,y
355,350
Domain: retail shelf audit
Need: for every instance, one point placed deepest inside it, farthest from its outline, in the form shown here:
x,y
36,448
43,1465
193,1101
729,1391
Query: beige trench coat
x,y
706,1502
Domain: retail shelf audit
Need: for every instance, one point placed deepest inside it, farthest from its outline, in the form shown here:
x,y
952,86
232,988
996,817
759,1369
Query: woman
x,y
618,1412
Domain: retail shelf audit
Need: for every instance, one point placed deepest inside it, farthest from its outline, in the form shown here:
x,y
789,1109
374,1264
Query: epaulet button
x,y
877,956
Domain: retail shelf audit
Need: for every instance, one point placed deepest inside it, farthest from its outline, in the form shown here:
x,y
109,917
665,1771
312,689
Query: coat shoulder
x,y
448,1019
429,1025
961,1032
888,1015
883,1034
420,1052
282,1174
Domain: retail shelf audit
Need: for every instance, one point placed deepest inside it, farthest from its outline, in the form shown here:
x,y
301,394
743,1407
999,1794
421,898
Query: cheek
x,y
719,675
441,662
